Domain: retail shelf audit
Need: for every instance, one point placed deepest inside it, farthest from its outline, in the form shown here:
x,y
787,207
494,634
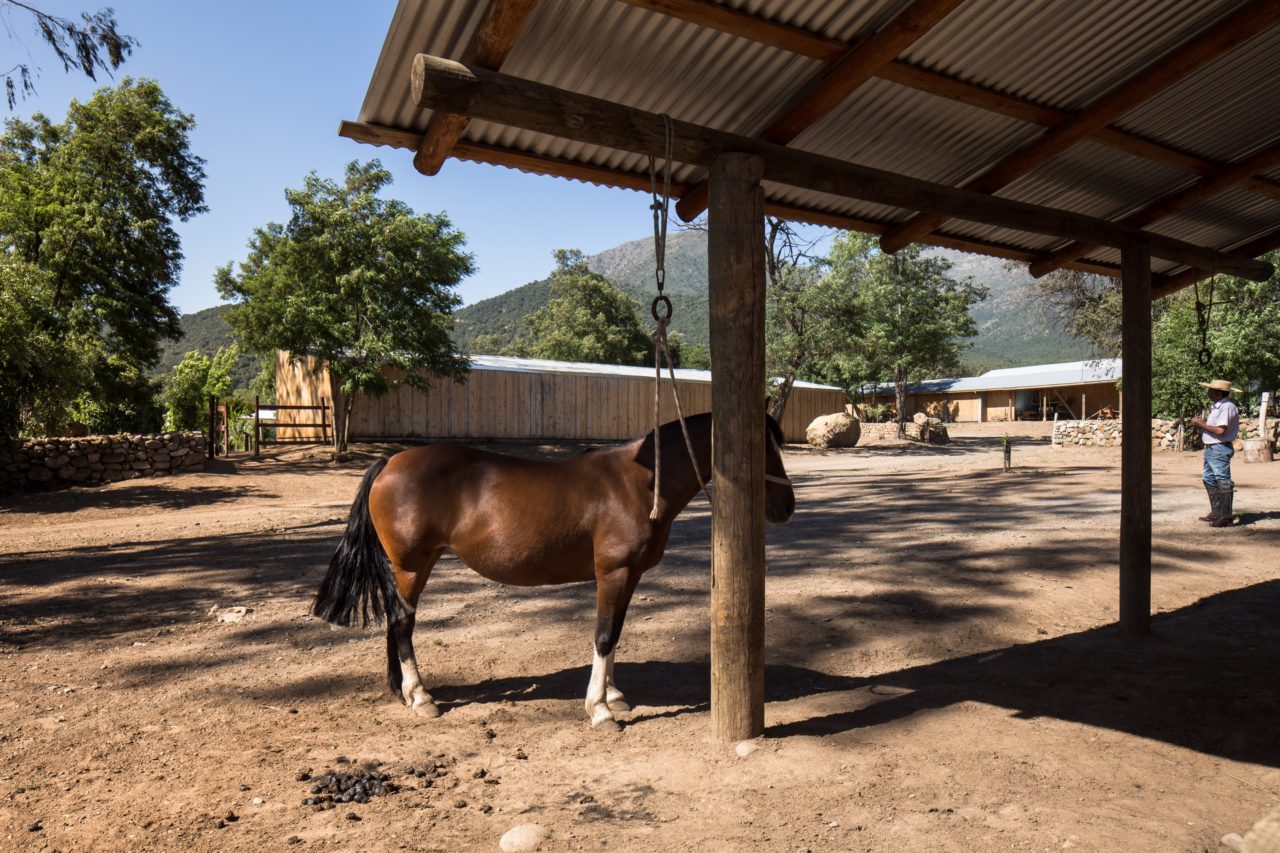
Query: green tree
x,y
91,201
812,316
587,319
40,359
360,282
1088,305
95,44
192,382
915,317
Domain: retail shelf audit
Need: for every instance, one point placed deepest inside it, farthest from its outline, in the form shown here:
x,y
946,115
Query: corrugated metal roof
x,y
1096,372
1060,53
582,368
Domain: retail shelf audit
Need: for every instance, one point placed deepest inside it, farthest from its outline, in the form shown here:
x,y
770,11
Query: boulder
x,y
920,418
838,430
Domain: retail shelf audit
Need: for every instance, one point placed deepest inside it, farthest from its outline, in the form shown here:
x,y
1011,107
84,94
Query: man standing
x,y
1218,432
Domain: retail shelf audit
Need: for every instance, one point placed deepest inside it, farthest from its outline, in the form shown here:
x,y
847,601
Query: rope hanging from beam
x,y
661,310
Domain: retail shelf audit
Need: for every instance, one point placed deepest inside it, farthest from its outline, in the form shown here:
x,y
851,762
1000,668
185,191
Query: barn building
x,y
1074,389
530,398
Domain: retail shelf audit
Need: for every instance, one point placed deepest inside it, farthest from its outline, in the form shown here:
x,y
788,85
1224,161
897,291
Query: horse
x,y
523,522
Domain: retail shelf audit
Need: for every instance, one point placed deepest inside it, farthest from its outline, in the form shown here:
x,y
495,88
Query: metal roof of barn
x,y
982,81
543,365
1095,372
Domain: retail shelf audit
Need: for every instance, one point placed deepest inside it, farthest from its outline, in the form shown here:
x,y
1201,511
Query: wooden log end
x,y
443,84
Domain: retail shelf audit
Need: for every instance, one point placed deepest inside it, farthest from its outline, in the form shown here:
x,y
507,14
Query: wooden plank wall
x,y
505,404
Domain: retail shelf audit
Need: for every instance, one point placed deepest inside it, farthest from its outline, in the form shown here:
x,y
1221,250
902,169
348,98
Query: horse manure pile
x,y
338,787
359,786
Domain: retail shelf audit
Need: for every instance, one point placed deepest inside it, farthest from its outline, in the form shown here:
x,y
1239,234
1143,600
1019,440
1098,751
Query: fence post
x,y
324,421
257,427
210,448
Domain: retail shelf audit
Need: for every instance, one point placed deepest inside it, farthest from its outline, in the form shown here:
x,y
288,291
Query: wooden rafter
x,y
1169,205
1167,285
842,76
541,164
503,22
1228,33
815,46
445,85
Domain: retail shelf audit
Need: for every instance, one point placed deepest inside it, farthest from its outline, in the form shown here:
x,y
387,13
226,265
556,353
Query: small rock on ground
x,y
523,838
745,748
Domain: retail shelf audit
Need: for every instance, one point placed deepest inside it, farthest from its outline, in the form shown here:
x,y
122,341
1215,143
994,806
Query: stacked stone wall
x,y
1164,433
51,463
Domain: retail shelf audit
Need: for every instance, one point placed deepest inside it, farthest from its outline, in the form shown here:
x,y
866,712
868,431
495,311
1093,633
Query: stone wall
x,y
1163,433
51,463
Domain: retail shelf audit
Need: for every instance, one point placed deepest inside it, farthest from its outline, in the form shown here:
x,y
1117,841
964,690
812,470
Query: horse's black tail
x,y
359,583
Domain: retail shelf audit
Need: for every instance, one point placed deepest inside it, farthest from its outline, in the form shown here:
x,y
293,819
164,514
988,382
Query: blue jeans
x,y
1217,463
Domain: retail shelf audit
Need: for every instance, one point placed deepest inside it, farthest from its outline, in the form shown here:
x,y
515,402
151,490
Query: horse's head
x,y
779,499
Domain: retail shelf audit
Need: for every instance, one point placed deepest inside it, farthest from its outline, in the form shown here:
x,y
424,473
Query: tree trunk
x,y
341,411
900,399
778,405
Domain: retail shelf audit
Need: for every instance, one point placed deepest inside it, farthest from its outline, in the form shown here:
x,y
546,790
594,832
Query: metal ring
x,y
653,308
1204,357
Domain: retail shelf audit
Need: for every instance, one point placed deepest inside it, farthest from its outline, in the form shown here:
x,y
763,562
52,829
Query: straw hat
x,y
1218,385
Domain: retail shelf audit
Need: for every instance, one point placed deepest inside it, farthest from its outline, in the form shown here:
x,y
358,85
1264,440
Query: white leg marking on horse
x,y
415,695
597,704
613,696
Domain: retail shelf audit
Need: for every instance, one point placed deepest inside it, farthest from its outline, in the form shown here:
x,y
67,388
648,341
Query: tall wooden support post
x,y
1135,453
257,426
737,273
212,448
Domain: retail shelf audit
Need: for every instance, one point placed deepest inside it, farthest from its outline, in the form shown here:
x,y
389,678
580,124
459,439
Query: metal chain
x,y
661,310
1204,312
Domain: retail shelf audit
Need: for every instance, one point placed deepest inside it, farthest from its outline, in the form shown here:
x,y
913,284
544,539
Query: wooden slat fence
x,y
517,404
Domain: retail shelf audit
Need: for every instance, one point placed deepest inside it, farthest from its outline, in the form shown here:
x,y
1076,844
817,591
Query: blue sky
x,y
268,83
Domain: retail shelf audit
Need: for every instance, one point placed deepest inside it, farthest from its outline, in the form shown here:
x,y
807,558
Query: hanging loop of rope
x,y
662,311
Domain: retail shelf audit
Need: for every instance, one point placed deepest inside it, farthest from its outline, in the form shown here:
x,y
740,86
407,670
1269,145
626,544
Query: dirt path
x,y
942,674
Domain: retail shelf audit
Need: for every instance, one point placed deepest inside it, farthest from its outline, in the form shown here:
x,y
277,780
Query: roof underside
x,y
1059,55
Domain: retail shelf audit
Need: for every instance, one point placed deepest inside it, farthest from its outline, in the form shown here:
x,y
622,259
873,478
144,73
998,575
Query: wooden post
x,y
1135,453
1044,406
737,273
257,426
1084,406
324,422
211,447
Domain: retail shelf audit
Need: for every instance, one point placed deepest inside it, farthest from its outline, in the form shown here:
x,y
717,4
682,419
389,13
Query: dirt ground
x,y
943,673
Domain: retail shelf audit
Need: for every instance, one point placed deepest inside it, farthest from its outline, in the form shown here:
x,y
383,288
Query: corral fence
x,y
265,429
517,398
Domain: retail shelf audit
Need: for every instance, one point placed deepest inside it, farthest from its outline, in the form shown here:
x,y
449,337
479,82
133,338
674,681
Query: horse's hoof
x,y
608,724
620,705
428,710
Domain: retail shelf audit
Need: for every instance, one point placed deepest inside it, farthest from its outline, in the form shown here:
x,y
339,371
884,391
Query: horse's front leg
x,y
613,594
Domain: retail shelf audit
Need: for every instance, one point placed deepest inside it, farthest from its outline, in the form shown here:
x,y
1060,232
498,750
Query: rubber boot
x,y
1226,495
1213,502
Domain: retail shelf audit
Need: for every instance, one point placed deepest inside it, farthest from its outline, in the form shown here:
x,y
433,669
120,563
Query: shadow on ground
x,y
1207,680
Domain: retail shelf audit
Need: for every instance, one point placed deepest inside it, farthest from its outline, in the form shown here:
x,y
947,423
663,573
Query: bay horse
x,y
524,522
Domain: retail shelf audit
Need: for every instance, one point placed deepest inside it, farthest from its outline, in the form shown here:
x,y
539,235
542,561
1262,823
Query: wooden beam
x,y
1135,445
1222,37
541,164
735,246
815,46
450,87
842,76
1171,284
723,19
502,24
1168,205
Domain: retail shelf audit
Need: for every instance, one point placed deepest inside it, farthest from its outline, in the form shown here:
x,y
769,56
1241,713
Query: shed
x,y
530,398
1074,389
1135,138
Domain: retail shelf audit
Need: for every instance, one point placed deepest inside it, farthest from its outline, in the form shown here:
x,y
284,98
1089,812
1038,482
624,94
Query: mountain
x,y
630,268
205,331
1014,327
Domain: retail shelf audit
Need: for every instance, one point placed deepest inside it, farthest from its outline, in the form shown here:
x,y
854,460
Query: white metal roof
x,y
543,365
1096,372
1058,54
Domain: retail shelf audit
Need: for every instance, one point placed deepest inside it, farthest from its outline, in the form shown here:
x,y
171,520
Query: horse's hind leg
x,y
403,678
